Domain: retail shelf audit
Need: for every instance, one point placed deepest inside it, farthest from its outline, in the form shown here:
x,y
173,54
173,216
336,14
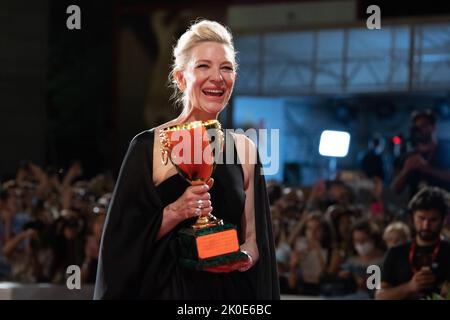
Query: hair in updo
x,y
201,31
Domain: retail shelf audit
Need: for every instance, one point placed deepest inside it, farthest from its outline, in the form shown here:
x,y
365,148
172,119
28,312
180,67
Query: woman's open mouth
x,y
213,92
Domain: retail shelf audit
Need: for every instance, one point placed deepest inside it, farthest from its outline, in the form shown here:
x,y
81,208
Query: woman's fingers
x,y
200,189
210,182
198,207
196,200
192,196
206,211
201,204
195,212
205,196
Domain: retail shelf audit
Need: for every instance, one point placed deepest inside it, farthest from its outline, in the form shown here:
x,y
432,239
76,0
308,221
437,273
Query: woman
x,y
367,243
151,202
312,254
341,220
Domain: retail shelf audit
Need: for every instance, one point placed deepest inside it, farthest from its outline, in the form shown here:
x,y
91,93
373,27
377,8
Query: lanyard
x,y
412,250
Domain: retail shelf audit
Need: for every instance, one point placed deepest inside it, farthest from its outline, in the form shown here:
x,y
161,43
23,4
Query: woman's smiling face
x,y
208,79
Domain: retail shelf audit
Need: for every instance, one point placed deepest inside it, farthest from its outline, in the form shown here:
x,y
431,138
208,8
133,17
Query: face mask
x,y
364,249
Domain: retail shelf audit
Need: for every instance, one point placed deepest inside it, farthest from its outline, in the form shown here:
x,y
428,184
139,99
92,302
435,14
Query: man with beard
x,y
428,164
418,268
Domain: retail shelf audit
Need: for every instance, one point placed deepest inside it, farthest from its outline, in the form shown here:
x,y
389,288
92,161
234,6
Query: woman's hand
x,y
294,261
248,263
195,201
242,265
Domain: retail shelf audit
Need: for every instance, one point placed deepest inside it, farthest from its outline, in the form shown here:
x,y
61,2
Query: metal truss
x,y
404,58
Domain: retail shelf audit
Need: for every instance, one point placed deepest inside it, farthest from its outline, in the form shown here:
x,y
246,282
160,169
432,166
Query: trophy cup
x,y
192,149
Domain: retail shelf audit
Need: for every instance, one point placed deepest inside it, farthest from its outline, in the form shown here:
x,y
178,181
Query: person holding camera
x,y
24,252
418,268
428,163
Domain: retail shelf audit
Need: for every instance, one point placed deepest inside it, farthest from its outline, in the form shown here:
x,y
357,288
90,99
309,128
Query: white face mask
x,y
364,249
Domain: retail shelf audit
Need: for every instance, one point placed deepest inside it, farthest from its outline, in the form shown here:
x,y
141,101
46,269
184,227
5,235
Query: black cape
x,y
130,258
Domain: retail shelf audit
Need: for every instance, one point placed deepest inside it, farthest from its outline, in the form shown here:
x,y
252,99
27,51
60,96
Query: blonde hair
x,y
400,227
198,32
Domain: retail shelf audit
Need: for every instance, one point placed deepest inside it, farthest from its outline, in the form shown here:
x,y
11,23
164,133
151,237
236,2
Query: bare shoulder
x,y
246,150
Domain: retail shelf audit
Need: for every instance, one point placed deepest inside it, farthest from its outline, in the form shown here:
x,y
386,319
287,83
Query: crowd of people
x,y
325,242
326,236
50,220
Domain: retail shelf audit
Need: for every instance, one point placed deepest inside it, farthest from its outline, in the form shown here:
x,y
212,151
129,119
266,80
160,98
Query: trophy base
x,y
200,265
209,247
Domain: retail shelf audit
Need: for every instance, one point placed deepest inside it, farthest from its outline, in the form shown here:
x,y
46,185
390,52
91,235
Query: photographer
x,y
427,164
418,268
25,253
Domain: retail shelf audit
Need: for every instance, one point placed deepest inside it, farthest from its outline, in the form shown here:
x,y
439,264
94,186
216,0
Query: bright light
x,y
397,140
334,143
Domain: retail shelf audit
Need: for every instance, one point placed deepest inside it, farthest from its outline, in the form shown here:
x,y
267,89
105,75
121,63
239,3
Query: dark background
x,y
60,89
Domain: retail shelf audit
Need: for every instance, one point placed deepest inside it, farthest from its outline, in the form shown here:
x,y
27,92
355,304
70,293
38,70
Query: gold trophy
x,y
192,148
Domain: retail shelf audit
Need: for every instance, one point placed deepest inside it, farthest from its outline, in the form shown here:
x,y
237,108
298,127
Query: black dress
x,y
133,265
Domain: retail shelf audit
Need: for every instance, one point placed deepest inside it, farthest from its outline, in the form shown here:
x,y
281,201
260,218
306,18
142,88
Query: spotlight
x,y
334,143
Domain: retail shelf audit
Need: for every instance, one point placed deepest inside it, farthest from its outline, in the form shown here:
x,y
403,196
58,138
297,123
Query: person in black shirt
x,y
428,164
372,162
418,268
